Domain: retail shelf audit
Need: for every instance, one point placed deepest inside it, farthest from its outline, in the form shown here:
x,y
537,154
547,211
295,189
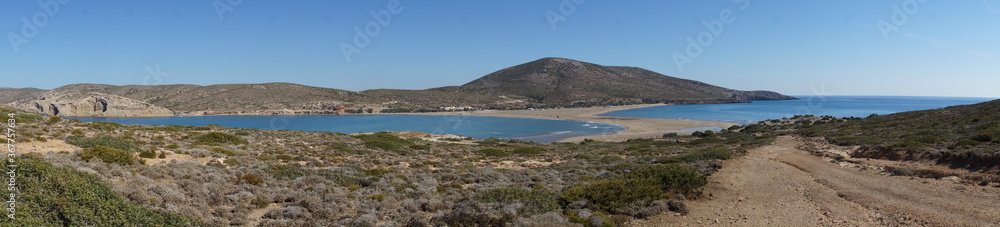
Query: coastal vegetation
x,y
964,136
51,195
213,175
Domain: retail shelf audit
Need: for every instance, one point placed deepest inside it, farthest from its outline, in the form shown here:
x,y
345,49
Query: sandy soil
x,y
780,185
54,145
51,145
635,127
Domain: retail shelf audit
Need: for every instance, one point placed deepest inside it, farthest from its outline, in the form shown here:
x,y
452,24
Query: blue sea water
x,y
837,106
545,131
538,130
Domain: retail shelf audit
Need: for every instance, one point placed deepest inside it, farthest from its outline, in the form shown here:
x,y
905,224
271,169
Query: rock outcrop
x,y
92,104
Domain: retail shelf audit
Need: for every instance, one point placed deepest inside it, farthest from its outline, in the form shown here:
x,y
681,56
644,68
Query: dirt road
x,y
780,185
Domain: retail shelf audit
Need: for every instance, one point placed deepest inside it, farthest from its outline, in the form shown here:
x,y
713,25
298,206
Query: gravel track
x,y
780,185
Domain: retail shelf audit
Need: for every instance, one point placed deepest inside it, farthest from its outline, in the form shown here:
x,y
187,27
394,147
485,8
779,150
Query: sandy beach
x,y
635,127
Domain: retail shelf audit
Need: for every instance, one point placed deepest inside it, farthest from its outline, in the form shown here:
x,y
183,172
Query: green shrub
x,y
384,141
528,150
965,143
54,119
753,128
535,201
28,118
77,133
704,154
224,151
242,133
220,137
62,196
671,135
108,155
377,172
706,140
232,162
250,179
345,179
147,154
282,172
343,147
704,134
378,197
611,194
672,178
172,146
104,126
260,204
284,157
495,152
113,142
931,139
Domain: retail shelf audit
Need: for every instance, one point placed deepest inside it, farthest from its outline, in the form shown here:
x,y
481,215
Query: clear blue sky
x,y
943,48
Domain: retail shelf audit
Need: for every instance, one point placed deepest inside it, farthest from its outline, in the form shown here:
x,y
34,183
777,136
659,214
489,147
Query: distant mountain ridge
x,y
545,82
559,81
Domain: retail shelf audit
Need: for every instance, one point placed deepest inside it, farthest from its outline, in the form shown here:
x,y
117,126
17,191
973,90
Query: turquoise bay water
x,y
545,131
838,106
538,130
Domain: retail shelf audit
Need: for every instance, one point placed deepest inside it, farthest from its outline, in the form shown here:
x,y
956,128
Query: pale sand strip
x,y
635,127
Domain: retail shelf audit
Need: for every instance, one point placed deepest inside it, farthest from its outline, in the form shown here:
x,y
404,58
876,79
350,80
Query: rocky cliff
x,y
91,104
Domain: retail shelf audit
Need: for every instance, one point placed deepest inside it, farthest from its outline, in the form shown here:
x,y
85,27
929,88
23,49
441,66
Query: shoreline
x,y
634,127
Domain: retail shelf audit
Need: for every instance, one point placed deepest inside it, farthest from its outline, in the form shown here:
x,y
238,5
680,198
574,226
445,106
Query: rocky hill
x,y
9,95
558,81
92,104
544,82
964,136
233,98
